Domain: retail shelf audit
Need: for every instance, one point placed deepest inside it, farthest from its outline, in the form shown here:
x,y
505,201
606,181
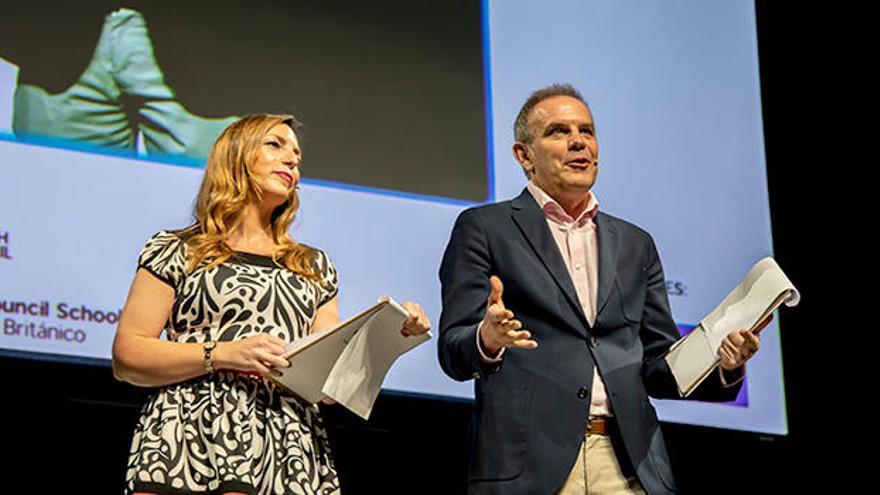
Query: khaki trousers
x,y
597,472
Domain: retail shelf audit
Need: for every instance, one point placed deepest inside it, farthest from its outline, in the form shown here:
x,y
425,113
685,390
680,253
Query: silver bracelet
x,y
209,347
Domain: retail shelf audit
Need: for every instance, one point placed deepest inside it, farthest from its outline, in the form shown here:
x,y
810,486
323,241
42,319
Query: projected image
x,y
391,94
120,102
108,108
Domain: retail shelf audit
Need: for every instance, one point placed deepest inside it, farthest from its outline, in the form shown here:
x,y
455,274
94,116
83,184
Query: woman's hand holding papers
x,y
417,323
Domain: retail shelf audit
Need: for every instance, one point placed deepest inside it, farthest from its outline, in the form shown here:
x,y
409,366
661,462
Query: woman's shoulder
x,y
161,240
185,233
164,255
170,238
325,270
318,257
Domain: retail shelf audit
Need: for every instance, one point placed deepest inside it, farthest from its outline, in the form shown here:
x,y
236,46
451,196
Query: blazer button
x,y
594,342
582,393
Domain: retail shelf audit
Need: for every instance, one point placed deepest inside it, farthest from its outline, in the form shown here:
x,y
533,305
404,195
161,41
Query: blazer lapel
x,y
533,225
607,260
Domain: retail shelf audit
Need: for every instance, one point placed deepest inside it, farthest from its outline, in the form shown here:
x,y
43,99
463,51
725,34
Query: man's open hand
x,y
499,330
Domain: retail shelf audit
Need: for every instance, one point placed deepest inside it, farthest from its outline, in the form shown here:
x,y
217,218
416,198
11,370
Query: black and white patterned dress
x,y
229,432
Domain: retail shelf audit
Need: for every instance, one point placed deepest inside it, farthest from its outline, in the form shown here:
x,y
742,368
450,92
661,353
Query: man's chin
x,y
581,179
580,186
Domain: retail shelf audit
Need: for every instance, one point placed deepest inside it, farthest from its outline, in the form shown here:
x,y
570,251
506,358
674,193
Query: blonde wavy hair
x,y
227,187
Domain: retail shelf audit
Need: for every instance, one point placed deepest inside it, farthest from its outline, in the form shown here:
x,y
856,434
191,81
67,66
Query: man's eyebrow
x,y
552,125
566,123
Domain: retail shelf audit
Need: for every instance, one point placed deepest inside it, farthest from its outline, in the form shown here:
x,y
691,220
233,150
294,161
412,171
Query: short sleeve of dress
x,y
164,256
329,284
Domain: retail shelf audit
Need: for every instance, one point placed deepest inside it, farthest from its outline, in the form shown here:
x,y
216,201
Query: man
x,y
570,343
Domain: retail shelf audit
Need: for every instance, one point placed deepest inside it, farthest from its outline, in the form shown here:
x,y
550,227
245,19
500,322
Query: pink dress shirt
x,y
577,243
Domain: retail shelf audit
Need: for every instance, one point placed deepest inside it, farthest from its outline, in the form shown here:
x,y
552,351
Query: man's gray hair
x,y
520,125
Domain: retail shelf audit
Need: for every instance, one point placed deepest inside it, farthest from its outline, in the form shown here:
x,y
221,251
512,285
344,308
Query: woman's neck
x,y
253,230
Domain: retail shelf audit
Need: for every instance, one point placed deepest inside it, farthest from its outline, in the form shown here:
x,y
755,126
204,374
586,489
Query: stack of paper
x,y
348,362
764,289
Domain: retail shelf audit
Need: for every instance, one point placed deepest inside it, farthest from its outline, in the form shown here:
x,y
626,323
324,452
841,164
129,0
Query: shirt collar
x,y
553,211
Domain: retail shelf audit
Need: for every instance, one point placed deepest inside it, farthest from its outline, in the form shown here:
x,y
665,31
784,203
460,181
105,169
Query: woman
x,y
233,289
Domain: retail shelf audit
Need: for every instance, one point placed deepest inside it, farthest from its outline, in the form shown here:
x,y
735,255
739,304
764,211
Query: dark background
x,y
69,427
390,92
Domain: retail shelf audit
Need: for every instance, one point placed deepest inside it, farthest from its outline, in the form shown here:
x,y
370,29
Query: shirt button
x,y
594,342
582,393
577,266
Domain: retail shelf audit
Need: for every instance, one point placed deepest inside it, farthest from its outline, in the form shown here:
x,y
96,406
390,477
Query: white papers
x,y
764,288
348,362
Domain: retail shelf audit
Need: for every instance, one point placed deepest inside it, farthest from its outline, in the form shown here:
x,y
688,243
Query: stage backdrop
x,y
108,110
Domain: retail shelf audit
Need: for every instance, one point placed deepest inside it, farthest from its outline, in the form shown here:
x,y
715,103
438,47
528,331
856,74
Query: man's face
x,y
562,157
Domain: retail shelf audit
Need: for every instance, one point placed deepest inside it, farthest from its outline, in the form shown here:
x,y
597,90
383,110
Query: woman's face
x,y
276,164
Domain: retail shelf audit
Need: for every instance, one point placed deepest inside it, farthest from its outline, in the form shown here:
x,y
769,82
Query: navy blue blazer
x,y
531,409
